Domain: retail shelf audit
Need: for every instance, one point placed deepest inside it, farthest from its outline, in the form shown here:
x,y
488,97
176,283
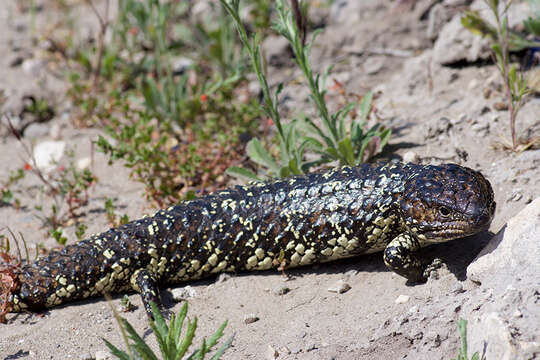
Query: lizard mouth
x,y
456,229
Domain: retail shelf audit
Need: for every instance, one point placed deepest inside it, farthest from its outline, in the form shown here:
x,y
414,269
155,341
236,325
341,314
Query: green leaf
x,y
222,348
385,136
346,150
284,171
312,142
313,128
242,173
6,196
293,166
365,106
533,26
161,326
188,338
512,78
140,346
473,22
260,155
333,152
116,352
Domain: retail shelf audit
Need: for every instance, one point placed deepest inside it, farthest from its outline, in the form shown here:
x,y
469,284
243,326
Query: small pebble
x,y
285,350
340,287
402,299
272,353
183,293
102,355
411,157
86,356
351,273
458,289
281,290
500,106
48,153
515,195
84,163
222,278
250,318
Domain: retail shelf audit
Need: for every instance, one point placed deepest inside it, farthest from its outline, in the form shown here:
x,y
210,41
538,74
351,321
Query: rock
x,y
402,299
48,153
511,257
340,287
438,16
180,65
250,318
183,293
373,64
34,67
515,195
500,106
271,353
36,130
103,355
411,157
513,252
494,332
455,44
84,163
222,278
281,290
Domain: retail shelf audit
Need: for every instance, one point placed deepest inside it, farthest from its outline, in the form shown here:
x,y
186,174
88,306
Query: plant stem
x,y
103,25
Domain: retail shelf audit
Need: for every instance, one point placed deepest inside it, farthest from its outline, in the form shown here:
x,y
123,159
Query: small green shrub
x,y
334,141
172,345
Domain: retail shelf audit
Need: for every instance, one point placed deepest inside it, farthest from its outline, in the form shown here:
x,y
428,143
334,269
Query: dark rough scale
x,y
395,208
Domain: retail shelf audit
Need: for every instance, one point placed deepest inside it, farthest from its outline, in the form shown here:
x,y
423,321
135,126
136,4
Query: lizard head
x,y
446,202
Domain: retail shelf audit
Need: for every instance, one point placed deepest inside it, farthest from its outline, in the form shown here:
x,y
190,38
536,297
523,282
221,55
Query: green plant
x,y
113,219
6,194
334,141
172,344
40,108
504,41
462,325
179,130
174,165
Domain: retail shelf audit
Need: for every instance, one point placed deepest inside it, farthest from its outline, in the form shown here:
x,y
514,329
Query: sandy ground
x,y
442,114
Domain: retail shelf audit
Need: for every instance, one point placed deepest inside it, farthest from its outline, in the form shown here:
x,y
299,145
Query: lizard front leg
x,y
398,257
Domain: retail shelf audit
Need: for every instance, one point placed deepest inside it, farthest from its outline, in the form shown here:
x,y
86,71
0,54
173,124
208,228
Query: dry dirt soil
x,y
438,113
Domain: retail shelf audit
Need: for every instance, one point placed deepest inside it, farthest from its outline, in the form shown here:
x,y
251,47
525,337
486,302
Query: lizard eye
x,y
444,211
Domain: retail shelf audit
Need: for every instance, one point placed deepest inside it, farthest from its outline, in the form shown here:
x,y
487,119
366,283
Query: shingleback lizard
x,y
390,207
